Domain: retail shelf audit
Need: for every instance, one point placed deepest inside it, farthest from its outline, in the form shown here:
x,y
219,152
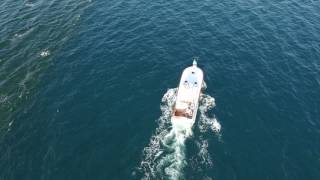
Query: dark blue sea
x,y
87,89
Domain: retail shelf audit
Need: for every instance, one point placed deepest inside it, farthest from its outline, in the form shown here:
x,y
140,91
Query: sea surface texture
x,y
87,89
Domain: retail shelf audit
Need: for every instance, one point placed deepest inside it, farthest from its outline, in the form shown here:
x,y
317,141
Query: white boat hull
x,y
187,101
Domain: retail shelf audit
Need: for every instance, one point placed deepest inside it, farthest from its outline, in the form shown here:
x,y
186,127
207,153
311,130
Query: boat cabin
x,y
184,109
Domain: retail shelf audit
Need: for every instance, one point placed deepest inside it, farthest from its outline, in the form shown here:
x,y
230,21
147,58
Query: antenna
x,y
195,59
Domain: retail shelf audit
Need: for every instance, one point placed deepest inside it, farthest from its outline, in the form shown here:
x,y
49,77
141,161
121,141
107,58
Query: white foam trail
x,y
203,154
206,104
206,124
164,157
165,154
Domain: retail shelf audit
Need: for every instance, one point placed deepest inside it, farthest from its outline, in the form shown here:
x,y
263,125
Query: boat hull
x,y
187,101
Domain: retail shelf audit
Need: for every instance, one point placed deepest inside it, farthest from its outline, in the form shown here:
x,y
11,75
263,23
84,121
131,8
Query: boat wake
x,y
202,162
207,123
165,155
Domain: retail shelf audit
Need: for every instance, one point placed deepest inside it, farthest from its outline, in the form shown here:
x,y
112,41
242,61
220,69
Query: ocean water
x,y
87,86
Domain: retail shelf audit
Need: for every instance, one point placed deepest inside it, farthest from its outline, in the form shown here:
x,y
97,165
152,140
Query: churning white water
x,y
165,155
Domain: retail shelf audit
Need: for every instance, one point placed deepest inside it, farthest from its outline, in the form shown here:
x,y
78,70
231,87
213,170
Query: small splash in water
x,y
17,35
3,99
9,126
29,5
45,53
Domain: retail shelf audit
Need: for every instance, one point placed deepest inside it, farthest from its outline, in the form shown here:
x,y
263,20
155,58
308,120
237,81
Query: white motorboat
x,y
187,100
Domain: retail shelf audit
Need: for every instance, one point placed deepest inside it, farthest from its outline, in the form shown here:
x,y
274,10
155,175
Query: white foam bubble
x,y
29,5
45,53
3,99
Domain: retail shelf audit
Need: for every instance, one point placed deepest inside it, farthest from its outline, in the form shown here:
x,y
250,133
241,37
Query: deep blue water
x,y
81,84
